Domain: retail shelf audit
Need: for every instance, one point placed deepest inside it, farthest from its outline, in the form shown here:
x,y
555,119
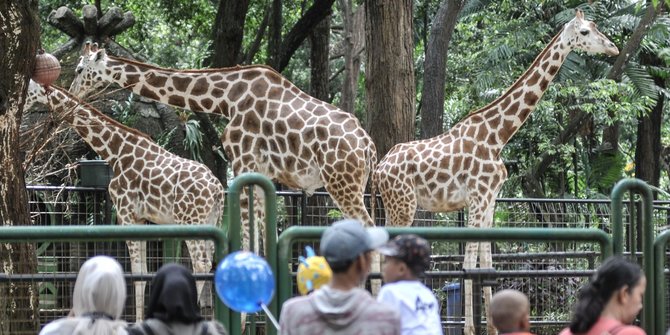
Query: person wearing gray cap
x,y
342,307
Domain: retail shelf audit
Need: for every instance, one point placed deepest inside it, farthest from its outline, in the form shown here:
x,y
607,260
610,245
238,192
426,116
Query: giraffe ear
x,y
86,50
579,14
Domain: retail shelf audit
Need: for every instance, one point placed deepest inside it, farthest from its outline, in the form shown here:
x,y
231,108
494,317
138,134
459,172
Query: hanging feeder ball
x,y
47,68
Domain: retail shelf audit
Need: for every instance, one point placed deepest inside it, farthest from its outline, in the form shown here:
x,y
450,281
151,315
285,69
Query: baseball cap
x,y
346,239
411,249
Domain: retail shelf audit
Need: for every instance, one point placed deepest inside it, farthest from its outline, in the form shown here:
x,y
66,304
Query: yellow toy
x,y
313,272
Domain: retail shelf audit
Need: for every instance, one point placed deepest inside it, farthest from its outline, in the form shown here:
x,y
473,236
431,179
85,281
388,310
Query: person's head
x,y
617,287
510,311
99,296
347,246
406,258
174,296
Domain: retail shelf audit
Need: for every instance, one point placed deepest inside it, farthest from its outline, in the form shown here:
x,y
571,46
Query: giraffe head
x,y
89,71
583,34
36,94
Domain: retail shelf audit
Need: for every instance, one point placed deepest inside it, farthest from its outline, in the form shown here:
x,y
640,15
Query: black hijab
x,y
174,296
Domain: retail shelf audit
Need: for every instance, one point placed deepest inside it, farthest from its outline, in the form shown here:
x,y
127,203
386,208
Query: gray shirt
x,y
329,311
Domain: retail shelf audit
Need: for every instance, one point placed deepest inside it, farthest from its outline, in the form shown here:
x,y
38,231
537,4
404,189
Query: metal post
x,y
660,245
268,187
643,189
481,277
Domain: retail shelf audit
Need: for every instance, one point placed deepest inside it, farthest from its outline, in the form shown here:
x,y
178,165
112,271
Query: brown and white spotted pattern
x,y
462,167
274,128
149,183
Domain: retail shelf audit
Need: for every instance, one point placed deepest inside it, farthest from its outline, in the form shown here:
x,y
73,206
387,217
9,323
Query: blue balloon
x,y
244,281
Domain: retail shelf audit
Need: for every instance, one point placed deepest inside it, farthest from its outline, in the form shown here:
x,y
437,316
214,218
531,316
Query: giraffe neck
x,y
113,141
496,123
217,91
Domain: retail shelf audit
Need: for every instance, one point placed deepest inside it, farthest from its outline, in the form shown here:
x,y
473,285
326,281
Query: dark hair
x,y
615,273
341,266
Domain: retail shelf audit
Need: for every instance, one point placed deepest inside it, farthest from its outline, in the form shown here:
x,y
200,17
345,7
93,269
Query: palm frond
x,y
642,82
624,21
573,65
598,68
603,170
473,6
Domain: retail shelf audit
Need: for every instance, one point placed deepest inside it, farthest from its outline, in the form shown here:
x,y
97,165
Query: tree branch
x,y
64,20
319,10
109,21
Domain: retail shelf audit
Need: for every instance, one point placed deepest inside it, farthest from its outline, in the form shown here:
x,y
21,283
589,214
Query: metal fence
x,y
58,262
549,305
549,272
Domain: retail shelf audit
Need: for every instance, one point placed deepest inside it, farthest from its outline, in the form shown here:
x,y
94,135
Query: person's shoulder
x,y
215,328
53,328
629,330
297,301
380,308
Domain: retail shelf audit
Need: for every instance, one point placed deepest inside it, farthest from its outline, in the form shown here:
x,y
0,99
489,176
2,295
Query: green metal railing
x,y
233,207
638,186
659,280
294,234
27,234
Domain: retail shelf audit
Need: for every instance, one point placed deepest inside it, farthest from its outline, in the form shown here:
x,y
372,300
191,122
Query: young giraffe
x,y
462,167
149,183
274,128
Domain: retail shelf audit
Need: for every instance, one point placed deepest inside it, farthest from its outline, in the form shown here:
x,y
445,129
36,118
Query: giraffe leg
x,y
202,263
469,262
349,199
259,222
486,261
244,216
138,265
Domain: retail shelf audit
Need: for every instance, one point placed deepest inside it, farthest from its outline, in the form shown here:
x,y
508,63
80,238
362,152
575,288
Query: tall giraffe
x,y
149,183
462,167
274,128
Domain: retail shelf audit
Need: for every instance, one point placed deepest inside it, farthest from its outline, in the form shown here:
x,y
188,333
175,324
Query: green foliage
x,y
165,138
193,139
124,111
335,214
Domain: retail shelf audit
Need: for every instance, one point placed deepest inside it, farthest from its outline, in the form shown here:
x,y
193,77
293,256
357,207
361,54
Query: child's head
x,y
510,311
407,257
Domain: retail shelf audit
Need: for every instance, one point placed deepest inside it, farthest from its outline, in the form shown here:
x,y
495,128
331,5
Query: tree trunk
x,y
19,35
647,164
349,82
318,60
228,32
389,82
274,38
432,105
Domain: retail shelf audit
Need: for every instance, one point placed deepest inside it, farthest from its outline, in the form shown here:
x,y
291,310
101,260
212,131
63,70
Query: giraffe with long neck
x,y
274,128
149,183
462,167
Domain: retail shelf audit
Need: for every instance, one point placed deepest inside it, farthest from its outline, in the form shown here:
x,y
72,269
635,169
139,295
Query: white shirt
x,y
419,310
